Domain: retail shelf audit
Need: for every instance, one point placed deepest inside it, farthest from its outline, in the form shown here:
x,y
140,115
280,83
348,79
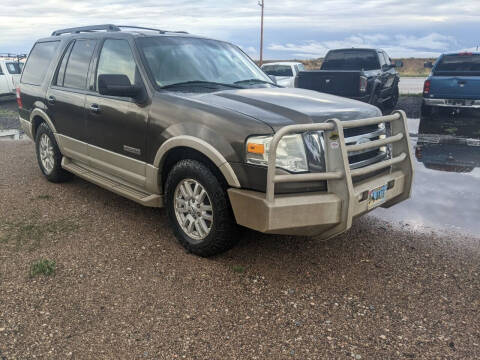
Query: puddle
x,y
12,134
446,189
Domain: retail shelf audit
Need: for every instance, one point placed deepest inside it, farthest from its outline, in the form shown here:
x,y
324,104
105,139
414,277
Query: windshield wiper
x,y
201,83
258,81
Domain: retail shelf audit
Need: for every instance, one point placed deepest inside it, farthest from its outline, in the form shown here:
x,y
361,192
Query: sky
x,y
294,29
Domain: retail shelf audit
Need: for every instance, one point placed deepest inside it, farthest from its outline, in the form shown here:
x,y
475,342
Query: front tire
x,y
199,210
49,156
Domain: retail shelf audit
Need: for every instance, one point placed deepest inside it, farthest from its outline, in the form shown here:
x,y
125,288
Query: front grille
x,y
360,130
360,135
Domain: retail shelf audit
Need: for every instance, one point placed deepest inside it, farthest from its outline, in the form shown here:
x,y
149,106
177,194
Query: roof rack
x,y
108,27
78,30
16,57
152,29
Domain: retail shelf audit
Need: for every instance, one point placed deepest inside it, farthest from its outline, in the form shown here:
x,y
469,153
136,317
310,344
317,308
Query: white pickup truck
x,y
284,73
10,71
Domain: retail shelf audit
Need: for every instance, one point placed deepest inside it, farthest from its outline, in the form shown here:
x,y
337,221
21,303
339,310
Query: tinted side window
x,y
116,57
78,63
63,65
38,62
1,71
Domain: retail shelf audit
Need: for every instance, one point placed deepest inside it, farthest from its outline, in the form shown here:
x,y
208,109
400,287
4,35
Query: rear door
x,y
66,97
116,126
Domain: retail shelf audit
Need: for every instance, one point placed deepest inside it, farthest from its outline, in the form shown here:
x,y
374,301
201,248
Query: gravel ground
x,y
124,288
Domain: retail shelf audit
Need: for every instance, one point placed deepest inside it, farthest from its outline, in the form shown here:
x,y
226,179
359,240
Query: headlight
x,y
291,152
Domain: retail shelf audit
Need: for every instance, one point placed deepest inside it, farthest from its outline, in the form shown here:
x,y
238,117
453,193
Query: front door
x,y
116,126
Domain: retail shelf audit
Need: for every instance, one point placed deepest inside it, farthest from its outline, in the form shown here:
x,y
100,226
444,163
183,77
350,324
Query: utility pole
x,y
262,5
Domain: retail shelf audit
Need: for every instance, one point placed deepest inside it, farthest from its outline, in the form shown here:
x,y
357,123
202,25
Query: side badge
x,y
132,150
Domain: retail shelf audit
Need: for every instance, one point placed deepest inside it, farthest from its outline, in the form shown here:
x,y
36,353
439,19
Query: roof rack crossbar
x,y
77,30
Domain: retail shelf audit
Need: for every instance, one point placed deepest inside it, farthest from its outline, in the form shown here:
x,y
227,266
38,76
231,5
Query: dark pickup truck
x,y
367,75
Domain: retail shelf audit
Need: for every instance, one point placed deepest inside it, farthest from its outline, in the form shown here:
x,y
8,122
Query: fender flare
x,y
40,113
203,147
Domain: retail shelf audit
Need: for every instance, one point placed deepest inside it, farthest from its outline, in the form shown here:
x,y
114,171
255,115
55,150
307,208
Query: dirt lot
x,y
124,289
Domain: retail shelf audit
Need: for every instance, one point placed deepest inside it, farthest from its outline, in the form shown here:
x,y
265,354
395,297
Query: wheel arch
x,y
38,116
183,146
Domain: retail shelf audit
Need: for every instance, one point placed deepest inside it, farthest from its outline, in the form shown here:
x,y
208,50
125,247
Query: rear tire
x,y
199,210
49,156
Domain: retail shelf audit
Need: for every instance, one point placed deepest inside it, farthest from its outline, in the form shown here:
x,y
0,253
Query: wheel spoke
x,y
205,207
198,228
191,223
207,217
201,196
203,225
197,189
188,188
183,190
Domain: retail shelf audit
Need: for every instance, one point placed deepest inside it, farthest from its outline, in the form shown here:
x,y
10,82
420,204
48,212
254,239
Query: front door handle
x,y
51,100
95,108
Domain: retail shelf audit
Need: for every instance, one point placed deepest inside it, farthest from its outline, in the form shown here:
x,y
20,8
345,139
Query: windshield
x,y
175,60
278,70
351,60
13,68
461,63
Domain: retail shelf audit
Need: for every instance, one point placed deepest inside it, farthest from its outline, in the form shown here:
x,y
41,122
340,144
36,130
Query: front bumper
x,y
329,213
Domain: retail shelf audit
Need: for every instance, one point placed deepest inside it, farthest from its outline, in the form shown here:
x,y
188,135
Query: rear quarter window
x,y
38,62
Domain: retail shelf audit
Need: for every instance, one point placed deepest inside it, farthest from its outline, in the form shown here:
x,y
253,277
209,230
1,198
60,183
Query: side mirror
x,y
274,78
398,63
117,85
428,65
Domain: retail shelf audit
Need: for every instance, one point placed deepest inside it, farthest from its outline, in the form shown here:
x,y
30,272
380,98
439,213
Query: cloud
x,y
308,25
430,45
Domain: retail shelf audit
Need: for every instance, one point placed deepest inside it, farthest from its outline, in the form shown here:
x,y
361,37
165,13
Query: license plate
x,y
376,196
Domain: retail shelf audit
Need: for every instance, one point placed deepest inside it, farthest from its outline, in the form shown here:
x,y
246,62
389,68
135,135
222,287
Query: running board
x,y
150,200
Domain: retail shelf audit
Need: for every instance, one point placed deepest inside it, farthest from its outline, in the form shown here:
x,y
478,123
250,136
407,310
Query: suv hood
x,y
278,107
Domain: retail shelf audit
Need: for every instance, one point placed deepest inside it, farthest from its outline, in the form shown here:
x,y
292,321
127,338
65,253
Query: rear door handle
x,y
51,100
95,108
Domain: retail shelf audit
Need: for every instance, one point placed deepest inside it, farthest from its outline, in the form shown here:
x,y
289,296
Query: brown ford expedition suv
x,y
172,120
